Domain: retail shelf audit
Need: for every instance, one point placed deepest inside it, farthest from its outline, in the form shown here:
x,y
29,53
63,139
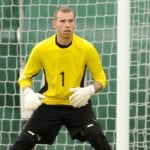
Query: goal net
x,y
24,23
140,75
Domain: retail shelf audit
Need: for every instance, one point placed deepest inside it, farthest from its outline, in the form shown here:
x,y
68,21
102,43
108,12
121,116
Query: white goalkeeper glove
x,y
81,96
31,99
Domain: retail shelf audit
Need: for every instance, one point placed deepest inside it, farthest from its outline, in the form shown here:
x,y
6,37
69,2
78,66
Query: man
x,y
63,100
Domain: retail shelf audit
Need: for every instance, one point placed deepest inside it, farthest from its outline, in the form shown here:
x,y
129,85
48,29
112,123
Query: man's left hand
x,y
81,96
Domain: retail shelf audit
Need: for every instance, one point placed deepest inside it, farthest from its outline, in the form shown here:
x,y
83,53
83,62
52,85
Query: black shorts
x,y
47,120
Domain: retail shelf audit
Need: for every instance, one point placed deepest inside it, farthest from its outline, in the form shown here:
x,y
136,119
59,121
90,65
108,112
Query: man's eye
x,y
62,21
70,20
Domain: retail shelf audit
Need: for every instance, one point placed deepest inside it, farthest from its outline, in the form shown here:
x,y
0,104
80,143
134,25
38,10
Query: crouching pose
x,y
64,99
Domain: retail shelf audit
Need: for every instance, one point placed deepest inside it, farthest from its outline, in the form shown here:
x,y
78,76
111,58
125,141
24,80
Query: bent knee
x,y
96,138
26,141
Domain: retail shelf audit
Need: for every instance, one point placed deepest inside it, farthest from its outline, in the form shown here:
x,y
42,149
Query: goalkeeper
x,y
63,100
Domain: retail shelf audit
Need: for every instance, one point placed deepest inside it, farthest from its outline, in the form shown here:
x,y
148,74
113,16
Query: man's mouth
x,y
67,31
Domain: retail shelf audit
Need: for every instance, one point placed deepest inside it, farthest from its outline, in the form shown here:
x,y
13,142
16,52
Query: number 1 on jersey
x,y
62,74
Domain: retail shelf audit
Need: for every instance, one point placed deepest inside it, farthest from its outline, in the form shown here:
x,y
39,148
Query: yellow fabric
x,y
64,67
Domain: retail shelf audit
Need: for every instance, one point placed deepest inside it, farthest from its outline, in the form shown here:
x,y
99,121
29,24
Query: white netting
x,y
22,25
140,75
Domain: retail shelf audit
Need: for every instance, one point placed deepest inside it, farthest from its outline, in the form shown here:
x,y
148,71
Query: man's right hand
x,y
31,99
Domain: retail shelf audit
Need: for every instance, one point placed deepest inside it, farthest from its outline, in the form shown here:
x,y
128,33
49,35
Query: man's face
x,y
64,24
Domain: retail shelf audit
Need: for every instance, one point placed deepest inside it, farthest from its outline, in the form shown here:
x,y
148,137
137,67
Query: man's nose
x,y
68,23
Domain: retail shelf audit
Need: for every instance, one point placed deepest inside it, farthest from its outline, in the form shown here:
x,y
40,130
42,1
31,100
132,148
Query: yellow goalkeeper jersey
x,y
64,68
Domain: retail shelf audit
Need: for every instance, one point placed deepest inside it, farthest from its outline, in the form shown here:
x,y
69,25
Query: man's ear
x,y
75,25
54,24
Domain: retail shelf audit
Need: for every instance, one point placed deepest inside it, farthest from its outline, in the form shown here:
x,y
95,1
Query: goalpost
x,y
123,75
97,22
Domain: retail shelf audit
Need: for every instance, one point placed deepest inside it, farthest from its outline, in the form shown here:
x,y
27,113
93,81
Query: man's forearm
x,y
97,85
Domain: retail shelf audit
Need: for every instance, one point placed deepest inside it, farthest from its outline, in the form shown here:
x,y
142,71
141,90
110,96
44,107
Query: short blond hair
x,y
64,9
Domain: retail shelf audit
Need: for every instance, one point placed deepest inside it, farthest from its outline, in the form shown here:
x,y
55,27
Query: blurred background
x,y
23,23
